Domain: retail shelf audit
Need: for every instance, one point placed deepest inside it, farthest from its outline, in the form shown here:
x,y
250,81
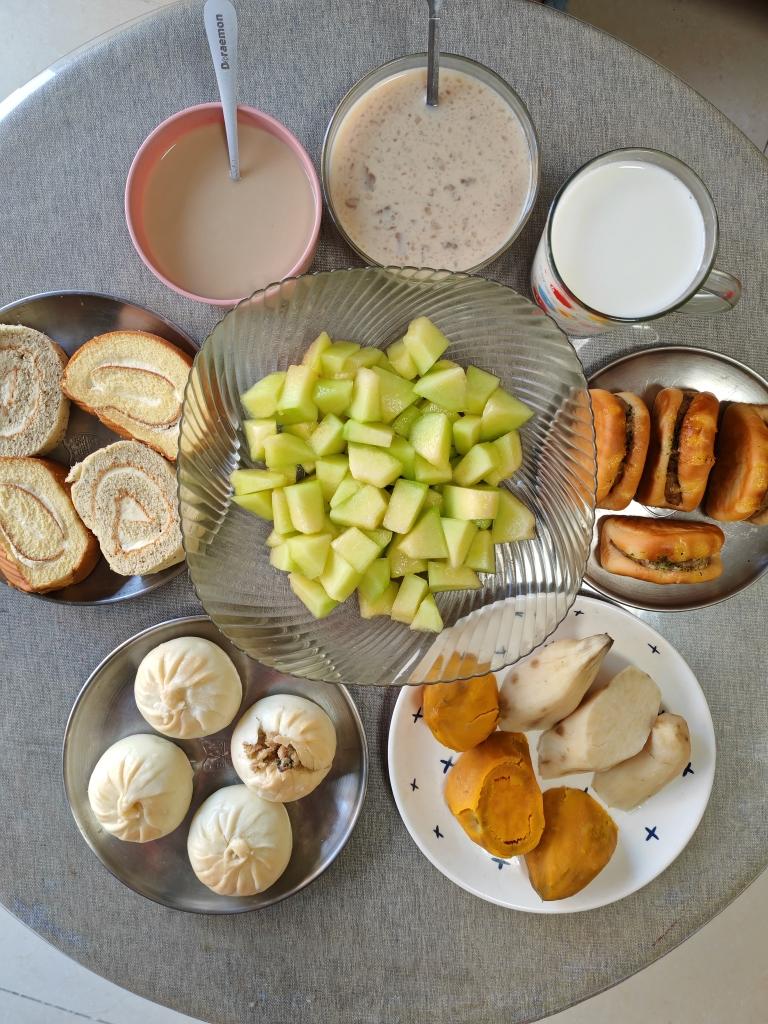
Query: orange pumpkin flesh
x,y
493,793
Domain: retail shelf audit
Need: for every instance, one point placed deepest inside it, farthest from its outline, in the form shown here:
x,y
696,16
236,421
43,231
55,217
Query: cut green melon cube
x,y
513,521
431,438
328,437
426,473
375,579
426,539
441,364
408,496
402,425
381,605
424,342
433,499
255,432
339,579
355,548
396,394
398,356
280,558
310,553
286,450
378,434
276,537
459,534
509,453
330,471
412,592
480,460
312,357
371,465
379,537
470,502
295,404
248,481
425,406
346,489
480,387
302,430
306,506
444,577
260,401
401,564
447,388
482,554
365,356
332,395
311,594
366,397
466,433
258,502
427,618
502,413
364,509
282,517
334,357
405,455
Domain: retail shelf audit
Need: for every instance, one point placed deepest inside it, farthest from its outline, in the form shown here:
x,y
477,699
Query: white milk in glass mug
x,y
630,236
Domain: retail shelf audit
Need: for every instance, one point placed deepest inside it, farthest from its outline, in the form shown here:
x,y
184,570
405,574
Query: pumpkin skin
x,y
462,714
578,841
493,793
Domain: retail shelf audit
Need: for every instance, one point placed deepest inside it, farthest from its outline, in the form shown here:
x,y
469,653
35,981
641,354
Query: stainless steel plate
x,y
71,318
322,822
745,553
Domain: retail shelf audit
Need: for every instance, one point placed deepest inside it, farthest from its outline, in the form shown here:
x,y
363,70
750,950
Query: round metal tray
x,y
71,318
745,553
322,822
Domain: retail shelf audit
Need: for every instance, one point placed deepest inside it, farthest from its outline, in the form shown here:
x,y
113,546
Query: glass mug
x,y
703,289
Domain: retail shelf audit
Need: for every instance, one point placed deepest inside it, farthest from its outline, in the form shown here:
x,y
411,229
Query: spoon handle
x,y
221,28
433,53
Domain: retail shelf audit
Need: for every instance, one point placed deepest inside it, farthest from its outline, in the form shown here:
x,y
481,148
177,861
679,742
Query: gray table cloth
x,y
382,936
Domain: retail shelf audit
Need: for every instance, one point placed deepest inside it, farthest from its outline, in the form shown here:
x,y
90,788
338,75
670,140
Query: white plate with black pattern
x,y
650,836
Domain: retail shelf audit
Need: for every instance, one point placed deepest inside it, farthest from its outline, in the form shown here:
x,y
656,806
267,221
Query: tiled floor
x,y
721,974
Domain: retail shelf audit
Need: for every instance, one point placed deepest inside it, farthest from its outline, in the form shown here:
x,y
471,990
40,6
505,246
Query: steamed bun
x,y
141,788
283,747
239,844
187,688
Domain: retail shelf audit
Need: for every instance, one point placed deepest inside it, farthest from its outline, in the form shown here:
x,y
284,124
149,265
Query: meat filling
x,y
666,564
672,490
266,752
628,439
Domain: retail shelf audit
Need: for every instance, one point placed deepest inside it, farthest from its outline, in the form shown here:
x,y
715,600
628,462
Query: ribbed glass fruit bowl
x,y
536,580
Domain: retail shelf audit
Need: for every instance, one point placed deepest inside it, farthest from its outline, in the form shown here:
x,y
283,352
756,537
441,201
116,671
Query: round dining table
x,y
381,936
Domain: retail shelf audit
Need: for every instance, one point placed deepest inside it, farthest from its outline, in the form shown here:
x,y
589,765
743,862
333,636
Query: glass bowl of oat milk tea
x,y
448,187
630,237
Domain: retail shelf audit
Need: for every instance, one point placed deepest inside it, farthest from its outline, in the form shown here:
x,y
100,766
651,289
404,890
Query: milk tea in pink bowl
x,y
630,236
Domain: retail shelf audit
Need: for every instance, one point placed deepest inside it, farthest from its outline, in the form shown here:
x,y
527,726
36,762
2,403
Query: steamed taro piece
x,y
283,747
578,840
611,725
493,794
666,753
462,714
549,686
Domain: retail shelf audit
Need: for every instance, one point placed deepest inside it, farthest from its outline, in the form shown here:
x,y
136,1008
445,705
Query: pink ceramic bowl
x,y
160,141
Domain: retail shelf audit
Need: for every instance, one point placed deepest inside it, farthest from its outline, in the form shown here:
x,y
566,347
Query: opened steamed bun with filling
x,y
283,747
187,688
239,844
141,788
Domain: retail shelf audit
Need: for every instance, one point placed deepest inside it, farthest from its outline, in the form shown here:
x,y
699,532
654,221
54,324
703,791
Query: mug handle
x,y
718,293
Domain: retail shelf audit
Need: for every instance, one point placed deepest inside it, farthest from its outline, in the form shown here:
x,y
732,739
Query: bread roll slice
x,y
738,485
43,544
134,382
33,410
126,494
